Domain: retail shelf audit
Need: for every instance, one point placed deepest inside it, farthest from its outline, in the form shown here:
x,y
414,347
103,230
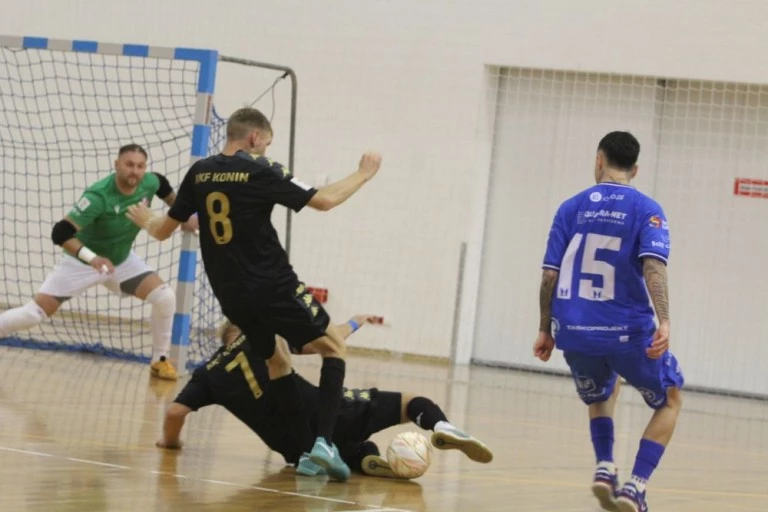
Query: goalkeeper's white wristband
x,y
85,254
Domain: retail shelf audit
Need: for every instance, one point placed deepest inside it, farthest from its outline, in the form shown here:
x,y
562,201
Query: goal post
x,y
287,72
201,135
65,108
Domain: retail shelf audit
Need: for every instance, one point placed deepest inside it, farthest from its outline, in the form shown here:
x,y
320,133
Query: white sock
x,y
610,466
163,302
638,482
443,425
21,318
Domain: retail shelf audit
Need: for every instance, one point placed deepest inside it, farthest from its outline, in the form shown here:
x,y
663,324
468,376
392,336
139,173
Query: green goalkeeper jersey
x,y
100,214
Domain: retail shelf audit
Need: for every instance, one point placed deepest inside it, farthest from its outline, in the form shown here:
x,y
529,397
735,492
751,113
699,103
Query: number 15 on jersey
x,y
590,266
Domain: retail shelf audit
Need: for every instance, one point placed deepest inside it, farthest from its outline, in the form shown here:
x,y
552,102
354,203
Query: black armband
x,y
63,231
165,186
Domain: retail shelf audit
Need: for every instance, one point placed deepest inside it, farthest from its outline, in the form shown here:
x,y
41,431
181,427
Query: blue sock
x,y
648,457
602,438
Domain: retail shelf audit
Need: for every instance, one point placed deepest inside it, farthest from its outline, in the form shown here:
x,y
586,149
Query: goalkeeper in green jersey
x,y
97,239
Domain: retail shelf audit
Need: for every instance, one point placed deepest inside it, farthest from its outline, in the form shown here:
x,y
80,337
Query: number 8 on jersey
x,y
220,224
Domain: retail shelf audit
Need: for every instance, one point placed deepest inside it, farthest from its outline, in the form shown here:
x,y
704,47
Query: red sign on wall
x,y
750,188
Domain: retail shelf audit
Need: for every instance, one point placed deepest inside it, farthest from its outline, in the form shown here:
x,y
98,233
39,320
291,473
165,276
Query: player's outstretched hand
x,y
366,319
544,346
168,446
139,214
660,343
369,164
103,265
192,224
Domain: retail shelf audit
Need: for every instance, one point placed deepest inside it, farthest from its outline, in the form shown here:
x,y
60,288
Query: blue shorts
x,y
595,376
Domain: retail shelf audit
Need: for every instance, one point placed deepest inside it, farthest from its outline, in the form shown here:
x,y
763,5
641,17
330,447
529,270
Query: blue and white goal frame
x,y
206,81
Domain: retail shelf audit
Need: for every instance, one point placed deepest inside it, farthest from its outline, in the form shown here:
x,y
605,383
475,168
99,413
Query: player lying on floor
x,y
238,380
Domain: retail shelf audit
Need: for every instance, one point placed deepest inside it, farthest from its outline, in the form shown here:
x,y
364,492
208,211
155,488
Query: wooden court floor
x,y
77,433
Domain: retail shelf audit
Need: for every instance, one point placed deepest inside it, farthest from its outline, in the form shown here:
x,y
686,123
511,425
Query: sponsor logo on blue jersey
x,y
597,242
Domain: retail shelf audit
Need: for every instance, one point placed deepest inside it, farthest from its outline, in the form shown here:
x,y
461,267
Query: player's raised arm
x,y
280,187
336,193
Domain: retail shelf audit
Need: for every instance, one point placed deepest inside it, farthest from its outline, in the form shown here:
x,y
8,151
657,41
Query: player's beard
x,y
129,181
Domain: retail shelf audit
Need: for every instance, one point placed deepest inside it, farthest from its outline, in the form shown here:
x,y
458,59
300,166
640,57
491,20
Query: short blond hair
x,y
225,330
245,120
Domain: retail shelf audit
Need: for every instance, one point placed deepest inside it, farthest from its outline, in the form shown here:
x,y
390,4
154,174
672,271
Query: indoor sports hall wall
x,y
697,138
410,79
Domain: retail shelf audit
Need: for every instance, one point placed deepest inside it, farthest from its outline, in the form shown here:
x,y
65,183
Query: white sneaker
x,y
448,437
605,486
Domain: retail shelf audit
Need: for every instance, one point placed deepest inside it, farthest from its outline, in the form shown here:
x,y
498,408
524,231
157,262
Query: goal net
x,y
65,109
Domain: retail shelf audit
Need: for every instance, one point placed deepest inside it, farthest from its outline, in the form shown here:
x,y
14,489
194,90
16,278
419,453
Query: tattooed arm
x,y
655,274
548,282
545,344
557,243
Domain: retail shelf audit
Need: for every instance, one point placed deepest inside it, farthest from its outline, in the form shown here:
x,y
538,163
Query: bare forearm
x,y
345,330
546,291
655,274
153,228
336,193
159,227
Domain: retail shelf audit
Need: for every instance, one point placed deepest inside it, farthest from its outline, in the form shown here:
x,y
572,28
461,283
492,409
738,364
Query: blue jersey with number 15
x,y
597,242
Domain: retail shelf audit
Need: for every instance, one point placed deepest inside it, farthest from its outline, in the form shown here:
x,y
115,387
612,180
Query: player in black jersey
x,y
237,379
234,194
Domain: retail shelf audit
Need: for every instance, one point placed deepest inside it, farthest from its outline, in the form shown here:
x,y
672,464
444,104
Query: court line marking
x,y
572,485
369,508
693,446
475,476
623,434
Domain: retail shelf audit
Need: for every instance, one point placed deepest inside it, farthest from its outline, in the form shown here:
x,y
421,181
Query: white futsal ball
x,y
409,455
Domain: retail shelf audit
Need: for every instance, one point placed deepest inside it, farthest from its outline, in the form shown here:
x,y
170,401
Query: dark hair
x,y
128,148
621,150
244,120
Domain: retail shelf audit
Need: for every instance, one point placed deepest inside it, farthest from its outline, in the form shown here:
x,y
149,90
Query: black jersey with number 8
x,y
234,197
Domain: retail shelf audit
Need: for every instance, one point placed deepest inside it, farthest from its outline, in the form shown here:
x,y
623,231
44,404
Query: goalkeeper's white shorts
x,y
71,277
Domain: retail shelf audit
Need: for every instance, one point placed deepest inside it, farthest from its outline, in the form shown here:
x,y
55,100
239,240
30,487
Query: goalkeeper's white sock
x,y
163,302
21,318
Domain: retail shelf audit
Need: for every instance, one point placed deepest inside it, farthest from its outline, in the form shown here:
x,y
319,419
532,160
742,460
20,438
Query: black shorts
x,y
293,313
365,412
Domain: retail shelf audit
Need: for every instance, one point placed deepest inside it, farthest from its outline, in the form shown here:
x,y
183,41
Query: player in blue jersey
x,y
607,252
